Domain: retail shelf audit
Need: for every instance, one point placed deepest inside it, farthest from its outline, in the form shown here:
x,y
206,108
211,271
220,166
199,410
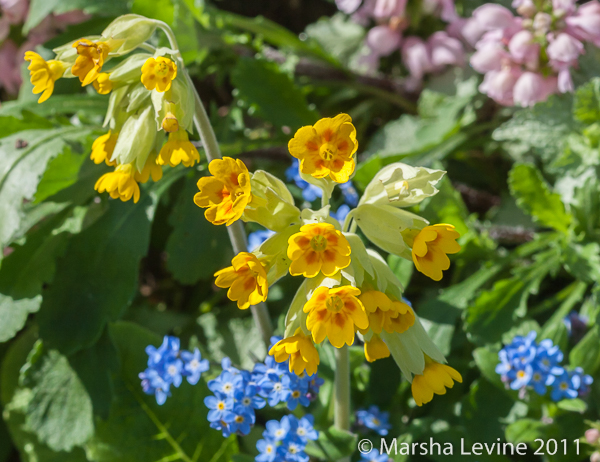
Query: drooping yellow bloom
x,y
335,314
92,56
43,74
120,184
435,379
158,73
103,147
178,150
151,169
318,247
301,352
170,124
376,349
226,193
102,84
385,313
246,279
430,248
326,148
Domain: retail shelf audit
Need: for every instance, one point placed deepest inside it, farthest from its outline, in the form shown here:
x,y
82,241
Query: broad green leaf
x,y
573,405
23,159
59,409
333,444
237,338
14,313
534,197
15,405
139,429
97,277
28,121
542,128
583,261
528,430
483,416
487,359
339,36
586,354
196,247
58,105
273,93
586,107
62,172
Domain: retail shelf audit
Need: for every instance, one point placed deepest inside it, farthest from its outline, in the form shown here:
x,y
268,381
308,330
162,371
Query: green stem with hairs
x,y
237,234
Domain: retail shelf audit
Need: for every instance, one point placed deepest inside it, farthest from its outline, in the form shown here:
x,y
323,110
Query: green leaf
x,y
28,121
333,444
583,261
384,380
141,430
527,431
487,359
534,197
97,277
59,410
482,416
39,9
23,159
14,313
62,172
573,405
58,105
237,338
162,10
273,93
586,107
196,247
586,354
402,268
542,128
339,36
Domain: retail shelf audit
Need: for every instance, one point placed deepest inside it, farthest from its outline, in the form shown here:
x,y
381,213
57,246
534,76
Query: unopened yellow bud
x,y
102,84
170,124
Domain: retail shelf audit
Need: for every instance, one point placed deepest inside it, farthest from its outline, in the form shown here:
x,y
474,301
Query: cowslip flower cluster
x,y
238,393
527,57
285,440
374,419
392,32
525,364
150,109
168,365
348,292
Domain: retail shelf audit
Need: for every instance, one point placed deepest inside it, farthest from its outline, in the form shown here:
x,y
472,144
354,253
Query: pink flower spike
x,y
499,85
492,16
564,49
565,82
489,58
383,40
415,56
445,50
523,49
532,88
586,24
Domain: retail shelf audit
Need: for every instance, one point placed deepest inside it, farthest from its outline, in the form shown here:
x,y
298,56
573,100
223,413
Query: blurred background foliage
x,y
86,282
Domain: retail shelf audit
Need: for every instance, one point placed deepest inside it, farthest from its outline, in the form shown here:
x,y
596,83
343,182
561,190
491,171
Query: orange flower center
x,y
334,303
328,151
318,243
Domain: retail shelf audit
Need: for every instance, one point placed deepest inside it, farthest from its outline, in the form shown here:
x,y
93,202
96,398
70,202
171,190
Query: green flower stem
x,y
341,417
236,231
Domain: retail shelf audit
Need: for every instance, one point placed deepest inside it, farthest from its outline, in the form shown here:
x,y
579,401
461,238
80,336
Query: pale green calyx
x,y
136,139
132,29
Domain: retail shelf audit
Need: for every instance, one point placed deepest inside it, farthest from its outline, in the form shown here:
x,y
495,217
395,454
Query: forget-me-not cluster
x,y
168,365
524,363
285,440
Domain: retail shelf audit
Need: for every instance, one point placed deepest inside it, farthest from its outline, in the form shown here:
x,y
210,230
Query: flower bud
x,y
129,32
386,226
170,123
542,23
136,139
179,101
592,436
401,185
272,204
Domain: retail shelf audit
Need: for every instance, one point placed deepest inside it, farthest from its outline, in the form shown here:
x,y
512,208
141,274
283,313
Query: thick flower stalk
x,y
529,56
348,293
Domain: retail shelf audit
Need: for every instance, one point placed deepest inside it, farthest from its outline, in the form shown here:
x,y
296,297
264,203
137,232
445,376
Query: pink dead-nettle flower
x,y
526,58
383,40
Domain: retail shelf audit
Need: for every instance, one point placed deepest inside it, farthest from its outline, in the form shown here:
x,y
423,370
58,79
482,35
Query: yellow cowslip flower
x,y
376,349
178,150
430,248
102,84
158,73
386,314
120,184
170,124
88,64
335,314
43,74
326,148
151,169
226,193
318,247
246,279
435,379
103,147
301,352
